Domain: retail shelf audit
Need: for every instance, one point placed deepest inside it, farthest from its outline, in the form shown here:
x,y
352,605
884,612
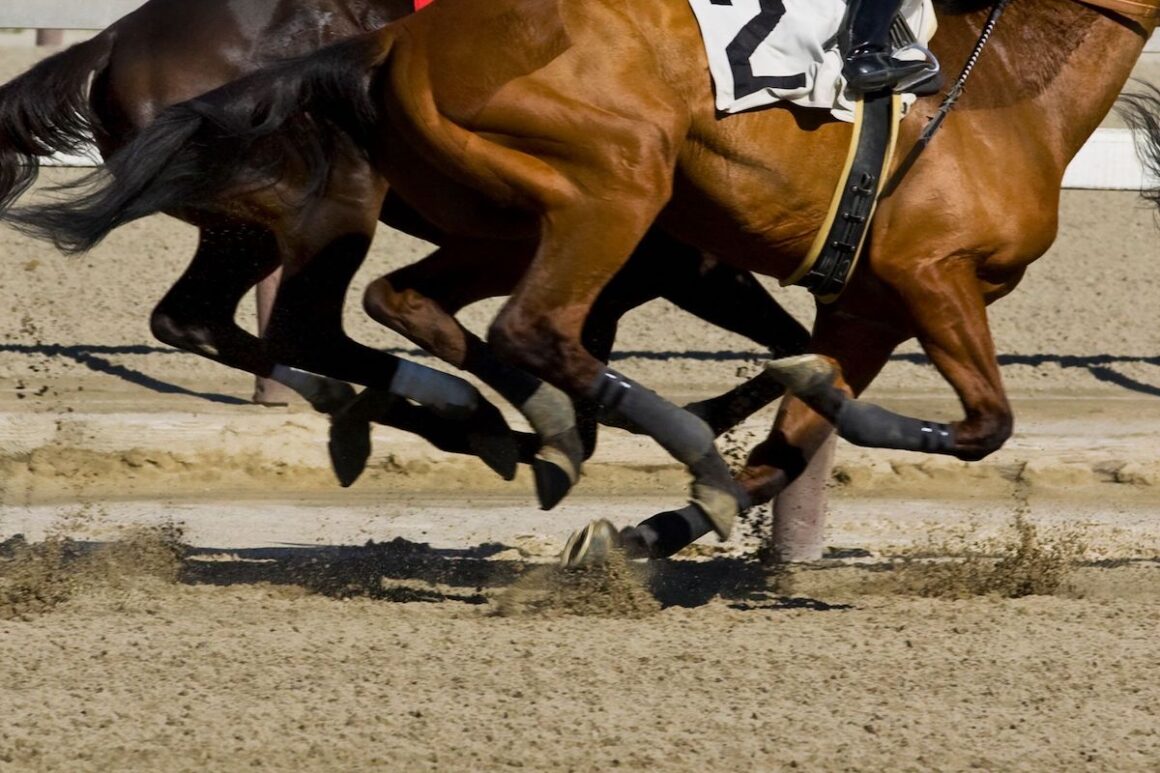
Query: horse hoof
x,y
552,482
802,374
592,545
349,446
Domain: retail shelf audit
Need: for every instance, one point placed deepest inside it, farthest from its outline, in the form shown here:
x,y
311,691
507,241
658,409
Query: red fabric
x,y
420,3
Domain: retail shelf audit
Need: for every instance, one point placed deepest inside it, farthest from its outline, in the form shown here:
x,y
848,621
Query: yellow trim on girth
x,y
887,161
835,202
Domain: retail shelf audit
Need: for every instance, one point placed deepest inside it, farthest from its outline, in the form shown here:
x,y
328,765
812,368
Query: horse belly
x,y
754,189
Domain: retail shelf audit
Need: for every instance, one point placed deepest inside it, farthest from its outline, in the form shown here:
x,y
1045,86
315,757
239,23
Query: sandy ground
x,y
193,592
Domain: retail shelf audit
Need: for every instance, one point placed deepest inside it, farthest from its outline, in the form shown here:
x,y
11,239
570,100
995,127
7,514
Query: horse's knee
x,y
515,340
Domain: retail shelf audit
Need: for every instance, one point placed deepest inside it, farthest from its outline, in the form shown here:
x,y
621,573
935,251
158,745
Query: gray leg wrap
x,y
626,403
811,378
864,424
557,463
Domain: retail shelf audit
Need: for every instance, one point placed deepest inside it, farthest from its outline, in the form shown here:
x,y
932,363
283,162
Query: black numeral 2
x,y
741,50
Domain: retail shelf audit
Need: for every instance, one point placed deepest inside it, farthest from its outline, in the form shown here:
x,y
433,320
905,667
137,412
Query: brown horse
x,y
171,50
559,130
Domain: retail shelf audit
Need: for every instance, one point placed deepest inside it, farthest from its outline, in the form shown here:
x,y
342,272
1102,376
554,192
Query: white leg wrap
x,y
314,388
435,389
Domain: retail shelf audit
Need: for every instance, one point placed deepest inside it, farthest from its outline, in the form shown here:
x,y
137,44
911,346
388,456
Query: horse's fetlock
x,y
384,304
980,436
166,329
179,334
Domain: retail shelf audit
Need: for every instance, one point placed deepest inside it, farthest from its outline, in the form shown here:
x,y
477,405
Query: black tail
x,y
1141,111
46,111
244,135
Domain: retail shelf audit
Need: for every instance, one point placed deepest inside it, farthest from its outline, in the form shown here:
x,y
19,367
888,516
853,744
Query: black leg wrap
x,y
514,385
724,412
686,437
666,533
865,424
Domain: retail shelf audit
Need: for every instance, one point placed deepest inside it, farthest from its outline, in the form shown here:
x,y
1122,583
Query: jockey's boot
x,y
870,64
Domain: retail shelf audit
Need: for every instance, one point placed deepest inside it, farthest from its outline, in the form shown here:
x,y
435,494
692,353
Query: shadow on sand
x,y
403,571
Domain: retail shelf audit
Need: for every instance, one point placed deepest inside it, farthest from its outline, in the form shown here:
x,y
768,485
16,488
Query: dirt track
x,y
250,625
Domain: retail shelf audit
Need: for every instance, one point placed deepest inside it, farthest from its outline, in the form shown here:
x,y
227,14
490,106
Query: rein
x,y
960,86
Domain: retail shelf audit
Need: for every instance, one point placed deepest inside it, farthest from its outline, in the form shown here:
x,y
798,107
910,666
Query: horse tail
x,y
46,111
1141,111
244,136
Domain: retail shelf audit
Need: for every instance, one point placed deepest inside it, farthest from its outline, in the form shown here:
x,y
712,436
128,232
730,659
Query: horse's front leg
x,y
947,310
322,254
584,244
861,348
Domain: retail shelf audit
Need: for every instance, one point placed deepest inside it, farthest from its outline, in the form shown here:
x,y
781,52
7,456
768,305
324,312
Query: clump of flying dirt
x,y
617,588
36,578
1020,561
1021,564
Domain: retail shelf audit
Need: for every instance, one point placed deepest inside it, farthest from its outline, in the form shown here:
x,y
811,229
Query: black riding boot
x,y
870,65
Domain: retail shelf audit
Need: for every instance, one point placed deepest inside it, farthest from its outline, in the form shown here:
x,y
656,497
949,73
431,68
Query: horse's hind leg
x,y
198,313
419,301
306,332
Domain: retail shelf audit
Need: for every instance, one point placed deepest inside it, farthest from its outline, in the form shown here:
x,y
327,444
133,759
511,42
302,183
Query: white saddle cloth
x,y
764,51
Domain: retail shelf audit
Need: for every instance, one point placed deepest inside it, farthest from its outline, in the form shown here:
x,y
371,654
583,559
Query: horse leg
x,y
419,301
306,332
947,310
197,313
862,349
540,330
729,298
267,391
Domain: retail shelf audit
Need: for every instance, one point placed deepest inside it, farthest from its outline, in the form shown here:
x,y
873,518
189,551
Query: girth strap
x,y
838,245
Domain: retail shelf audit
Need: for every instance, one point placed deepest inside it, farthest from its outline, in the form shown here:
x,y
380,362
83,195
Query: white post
x,y
799,512
50,37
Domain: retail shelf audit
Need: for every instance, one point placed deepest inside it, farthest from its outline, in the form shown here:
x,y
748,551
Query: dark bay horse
x,y
171,50
559,130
